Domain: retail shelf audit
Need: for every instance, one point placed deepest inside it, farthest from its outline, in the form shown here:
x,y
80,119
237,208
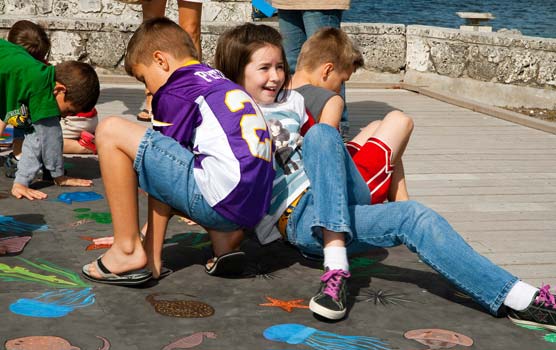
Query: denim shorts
x,y
165,171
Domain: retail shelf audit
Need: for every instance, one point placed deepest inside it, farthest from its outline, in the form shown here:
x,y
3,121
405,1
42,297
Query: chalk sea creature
x,y
190,341
13,245
47,342
179,308
65,278
98,217
79,196
286,305
10,225
550,337
293,333
381,297
438,338
54,304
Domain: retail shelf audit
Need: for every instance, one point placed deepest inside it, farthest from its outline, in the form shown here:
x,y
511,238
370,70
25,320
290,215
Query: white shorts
x,y
73,125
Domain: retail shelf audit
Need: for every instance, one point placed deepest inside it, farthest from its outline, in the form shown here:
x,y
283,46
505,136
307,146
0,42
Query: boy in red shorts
x,y
327,59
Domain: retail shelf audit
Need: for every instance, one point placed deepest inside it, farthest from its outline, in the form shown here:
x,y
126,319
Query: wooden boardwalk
x,y
493,180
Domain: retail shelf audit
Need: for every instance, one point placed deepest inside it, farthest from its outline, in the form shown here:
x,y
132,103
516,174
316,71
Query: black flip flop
x,y
227,265
165,272
130,278
144,119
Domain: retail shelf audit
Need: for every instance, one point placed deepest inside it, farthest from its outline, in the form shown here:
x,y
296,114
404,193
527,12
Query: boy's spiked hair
x,y
330,45
236,46
81,82
32,37
158,34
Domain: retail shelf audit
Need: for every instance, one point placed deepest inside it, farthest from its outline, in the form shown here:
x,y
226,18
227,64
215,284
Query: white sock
x,y
335,258
520,296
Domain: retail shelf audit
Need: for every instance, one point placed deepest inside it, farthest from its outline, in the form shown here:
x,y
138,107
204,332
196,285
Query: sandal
x,y
130,278
145,115
230,264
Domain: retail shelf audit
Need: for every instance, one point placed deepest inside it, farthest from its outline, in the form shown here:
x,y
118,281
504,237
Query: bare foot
x,y
118,261
104,240
225,242
72,181
20,191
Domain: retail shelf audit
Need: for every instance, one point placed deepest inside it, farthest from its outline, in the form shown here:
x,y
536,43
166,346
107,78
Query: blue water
x,y
531,17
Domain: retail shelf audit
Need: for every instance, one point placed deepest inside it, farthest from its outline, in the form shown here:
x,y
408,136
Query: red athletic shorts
x,y
374,162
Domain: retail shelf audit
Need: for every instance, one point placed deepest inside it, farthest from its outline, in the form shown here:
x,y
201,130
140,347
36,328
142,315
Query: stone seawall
x,y
492,68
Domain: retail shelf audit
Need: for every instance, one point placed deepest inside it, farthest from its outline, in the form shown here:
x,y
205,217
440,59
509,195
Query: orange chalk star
x,y
286,305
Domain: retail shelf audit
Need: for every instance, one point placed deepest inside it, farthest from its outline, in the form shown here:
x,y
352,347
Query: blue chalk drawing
x,y
54,304
293,333
12,226
69,197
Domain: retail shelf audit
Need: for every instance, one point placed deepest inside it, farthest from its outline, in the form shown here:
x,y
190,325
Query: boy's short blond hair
x,y
158,34
330,45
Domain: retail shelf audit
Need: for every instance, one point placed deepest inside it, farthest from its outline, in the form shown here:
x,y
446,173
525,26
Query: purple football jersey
x,y
219,122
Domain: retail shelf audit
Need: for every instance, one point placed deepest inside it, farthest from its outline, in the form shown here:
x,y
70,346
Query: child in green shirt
x,y
36,95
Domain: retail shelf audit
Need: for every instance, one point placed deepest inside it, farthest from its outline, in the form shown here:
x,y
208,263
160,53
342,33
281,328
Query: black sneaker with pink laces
x,y
330,301
540,313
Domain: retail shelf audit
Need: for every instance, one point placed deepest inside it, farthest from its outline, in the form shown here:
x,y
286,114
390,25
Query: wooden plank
x,y
501,246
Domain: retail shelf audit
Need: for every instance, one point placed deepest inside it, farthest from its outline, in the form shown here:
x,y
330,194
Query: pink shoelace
x,y
546,297
333,280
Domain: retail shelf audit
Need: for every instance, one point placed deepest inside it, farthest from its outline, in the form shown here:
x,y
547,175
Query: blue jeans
x,y
41,146
334,203
297,25
165,171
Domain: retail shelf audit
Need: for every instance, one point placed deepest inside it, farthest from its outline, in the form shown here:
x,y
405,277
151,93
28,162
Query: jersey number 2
x,y
250,124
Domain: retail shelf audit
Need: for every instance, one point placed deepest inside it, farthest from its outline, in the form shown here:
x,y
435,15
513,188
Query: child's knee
x,y
402,120
108,128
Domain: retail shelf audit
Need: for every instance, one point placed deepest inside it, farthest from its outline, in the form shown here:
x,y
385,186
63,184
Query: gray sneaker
x,y
330,301
10,166
540,313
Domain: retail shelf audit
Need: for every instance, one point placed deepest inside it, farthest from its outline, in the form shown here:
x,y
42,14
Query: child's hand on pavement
x,y
19,191
72,181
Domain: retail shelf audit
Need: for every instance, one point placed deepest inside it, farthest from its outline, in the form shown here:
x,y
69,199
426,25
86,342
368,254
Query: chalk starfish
x,y
286,305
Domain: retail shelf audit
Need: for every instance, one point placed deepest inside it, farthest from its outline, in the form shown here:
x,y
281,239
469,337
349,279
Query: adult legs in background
x,y
297,25
189,18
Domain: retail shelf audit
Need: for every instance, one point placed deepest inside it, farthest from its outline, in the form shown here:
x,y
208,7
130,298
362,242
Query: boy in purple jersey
x,y
209,158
